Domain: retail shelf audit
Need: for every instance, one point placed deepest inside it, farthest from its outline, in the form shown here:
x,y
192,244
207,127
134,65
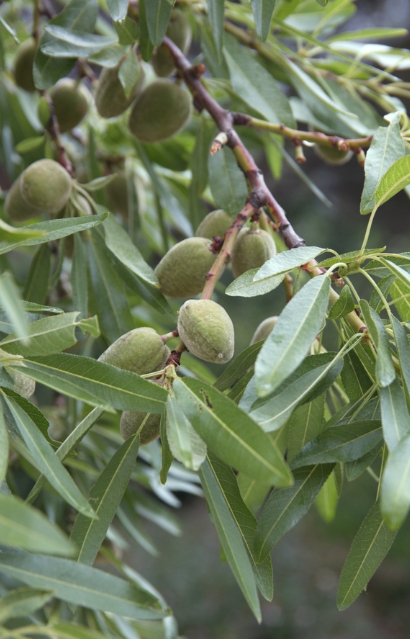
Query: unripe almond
x,y
264,329
180,32
110,98
140,351
23,385
23,65
206,330
182,271
131,422
45,185
159,112
15,207
71,102
251,250
215,224
331,155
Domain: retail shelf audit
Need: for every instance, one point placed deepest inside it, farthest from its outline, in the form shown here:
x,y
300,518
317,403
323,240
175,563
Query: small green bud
x,y
182,271
46,186
264,329
251,250
215,224
141,351
207,330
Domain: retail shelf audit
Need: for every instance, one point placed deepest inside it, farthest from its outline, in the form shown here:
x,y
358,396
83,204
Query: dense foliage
x,y
146,157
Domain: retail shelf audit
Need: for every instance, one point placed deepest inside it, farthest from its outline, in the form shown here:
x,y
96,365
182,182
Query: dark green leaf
x,y
4,448
216,19
146,45
354,377
305,424
227,181
67,43
167,456
22,602
79,278
238,367
48,335
344,305
356,468
403,351
36,286
385,373
157,14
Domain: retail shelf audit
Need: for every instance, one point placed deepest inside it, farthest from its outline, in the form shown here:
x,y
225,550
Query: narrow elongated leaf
x,y
227,430
81,585
157,14
356,468
354,377
118,9
4,448
287,261
185,444
397,270
25,527
36,286
167,456
146,45
253,492
54,230
387,146
105,497
369,548
340,444
216,19
47,461
350,256
34,413
10,300
230,537
403,351
47,335
120,389
297,326
227,181
262,13
21,602
395,486
327,498
245,285
385,373
305,424
400,296
395,414
12,234
394,180
79,278
285,507
344,305
67,43
238,367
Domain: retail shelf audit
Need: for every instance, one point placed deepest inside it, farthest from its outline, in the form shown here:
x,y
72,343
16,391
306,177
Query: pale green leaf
x,y
286,261
216,19
395,485
68,43
22,602
46,336
385,373
4,448
395,414
394,180
344,305
10,300
227,181
305,424
327,498
118,9
262,13
246,286
185,444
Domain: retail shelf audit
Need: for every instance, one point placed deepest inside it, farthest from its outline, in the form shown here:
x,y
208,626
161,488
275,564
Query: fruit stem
x,y
168,336
225,252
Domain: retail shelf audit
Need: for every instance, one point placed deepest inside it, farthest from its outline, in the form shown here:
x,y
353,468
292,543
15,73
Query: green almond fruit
x,y
182,271
110,98
23,385
23,65
180,32
141,351
15,207
117,194
46,186
207,330
159,112
331,155
71,102
131,422
251,250
215,224
264,329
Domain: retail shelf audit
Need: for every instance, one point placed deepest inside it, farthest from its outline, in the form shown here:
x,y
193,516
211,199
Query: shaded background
x,y
308,560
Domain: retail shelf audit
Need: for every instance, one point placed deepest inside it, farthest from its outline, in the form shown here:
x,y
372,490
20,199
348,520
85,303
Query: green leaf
x,y
245,285
46,460
343,306
68,43
369,548
395,415
393,181
34,413
105,497
298,325
11,234
286,261
403,351
22,602
128,73
29,144
387,146
216,19
103,384
167,456
36,286
238,367
228,431
118,9
185,444
157,15
285,507
120,244
395,485
385,373
227,181
230,536
4,448
255,85
22,526
340,444
46,336
305,424
81,585
253,492
146,45
397,270
10,300
79,277
54,230
356,468
400,296
350,256
327,498
354,377
262,13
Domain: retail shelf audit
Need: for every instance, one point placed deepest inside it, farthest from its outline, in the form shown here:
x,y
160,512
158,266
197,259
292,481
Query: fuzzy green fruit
x,y
251,250
215,224
15,207
23,65
206,330
130,423
110,98
45,185
182,271
117,196
23,385
141,351
71,102
180,32
160,111
264,329
331,155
